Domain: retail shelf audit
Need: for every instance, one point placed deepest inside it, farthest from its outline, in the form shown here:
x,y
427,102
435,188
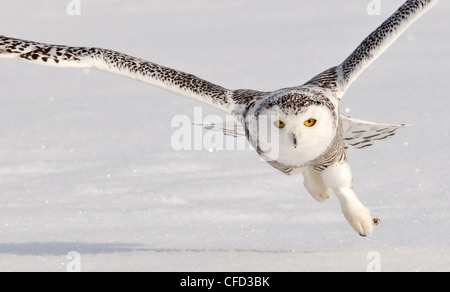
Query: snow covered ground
x,y
86,162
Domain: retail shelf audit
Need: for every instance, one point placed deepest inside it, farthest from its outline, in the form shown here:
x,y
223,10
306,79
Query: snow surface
x,y
87,163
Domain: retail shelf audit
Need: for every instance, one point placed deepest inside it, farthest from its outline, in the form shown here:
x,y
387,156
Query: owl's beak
x,y
294,139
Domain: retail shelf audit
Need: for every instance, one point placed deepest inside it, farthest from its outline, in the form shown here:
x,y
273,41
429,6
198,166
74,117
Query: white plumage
x,y
297,129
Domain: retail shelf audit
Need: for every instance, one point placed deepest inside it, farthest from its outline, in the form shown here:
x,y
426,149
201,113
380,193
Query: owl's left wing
x,y
230,101
361,134
339,78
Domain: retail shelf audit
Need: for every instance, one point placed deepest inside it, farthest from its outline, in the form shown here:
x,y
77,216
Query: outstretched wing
x,y
361,134
121,64
339,78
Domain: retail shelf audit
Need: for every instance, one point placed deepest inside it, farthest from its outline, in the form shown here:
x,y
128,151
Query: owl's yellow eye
x,y
280,124
310,122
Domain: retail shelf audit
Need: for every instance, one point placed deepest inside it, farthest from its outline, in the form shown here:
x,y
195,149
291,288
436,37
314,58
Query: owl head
x,y
293,128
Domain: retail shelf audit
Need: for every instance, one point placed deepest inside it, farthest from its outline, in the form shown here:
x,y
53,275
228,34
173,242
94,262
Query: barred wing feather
x,y
361,134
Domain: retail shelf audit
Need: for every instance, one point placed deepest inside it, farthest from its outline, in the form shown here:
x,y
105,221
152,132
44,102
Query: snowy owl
x,y
303,122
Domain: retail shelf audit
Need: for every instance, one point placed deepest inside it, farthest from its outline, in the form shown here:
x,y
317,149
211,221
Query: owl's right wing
x,y
229,101
361,134
339,78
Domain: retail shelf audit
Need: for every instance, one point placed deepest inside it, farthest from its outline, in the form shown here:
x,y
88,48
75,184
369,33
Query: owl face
x,y
295,138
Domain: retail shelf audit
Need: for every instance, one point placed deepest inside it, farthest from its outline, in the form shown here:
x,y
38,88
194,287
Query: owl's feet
x,y
339,177
314,184
358,216
321,196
